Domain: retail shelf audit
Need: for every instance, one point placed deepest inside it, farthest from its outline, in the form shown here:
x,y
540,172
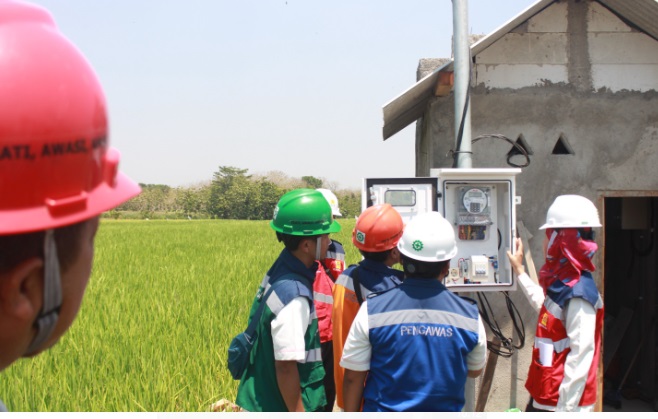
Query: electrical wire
x,y
507,346
519,147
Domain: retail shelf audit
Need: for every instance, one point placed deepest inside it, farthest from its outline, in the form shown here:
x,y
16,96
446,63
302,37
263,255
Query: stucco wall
x,y
614,138
577,72
581,43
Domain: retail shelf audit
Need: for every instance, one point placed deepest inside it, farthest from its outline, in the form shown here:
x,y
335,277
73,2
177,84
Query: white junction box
x,y
479,203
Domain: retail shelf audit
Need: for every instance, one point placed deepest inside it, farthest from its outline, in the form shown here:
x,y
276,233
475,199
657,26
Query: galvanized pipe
x,y
462,67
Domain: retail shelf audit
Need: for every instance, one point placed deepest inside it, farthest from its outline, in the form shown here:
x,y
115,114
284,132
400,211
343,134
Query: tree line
x,y
232,194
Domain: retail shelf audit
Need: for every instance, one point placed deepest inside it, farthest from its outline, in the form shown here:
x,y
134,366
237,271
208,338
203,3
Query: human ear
x,y
21,290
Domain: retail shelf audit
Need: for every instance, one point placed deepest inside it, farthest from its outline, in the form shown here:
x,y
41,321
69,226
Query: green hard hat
x,y
303,212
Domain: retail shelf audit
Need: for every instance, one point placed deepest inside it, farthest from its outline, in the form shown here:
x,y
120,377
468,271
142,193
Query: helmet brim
x,y
545,226
102,198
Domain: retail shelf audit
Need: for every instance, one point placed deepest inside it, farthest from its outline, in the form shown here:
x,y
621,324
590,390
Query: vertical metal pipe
x,y
462,67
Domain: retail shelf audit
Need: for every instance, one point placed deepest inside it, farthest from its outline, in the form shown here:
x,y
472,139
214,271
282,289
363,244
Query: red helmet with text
x,y
56,166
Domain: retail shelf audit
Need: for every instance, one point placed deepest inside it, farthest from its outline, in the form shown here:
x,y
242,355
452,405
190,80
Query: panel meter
x,y
479,203
475,200
473,212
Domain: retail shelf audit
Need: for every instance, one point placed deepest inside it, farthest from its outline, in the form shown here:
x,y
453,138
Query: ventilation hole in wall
x,y
521,142
562,147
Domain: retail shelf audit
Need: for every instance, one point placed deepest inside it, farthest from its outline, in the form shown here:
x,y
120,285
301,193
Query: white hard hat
x,y
428,238
333,201
571,211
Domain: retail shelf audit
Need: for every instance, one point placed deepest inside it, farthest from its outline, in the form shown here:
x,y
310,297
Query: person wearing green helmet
x,y
285,371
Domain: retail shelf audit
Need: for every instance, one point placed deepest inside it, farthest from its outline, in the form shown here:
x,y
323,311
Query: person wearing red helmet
x,y
376,235
57,175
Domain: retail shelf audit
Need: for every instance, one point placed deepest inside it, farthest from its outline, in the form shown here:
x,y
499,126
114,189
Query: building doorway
x,y
630,288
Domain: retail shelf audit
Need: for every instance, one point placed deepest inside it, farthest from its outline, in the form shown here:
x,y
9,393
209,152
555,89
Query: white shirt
x,y
288,330
357,350
580,323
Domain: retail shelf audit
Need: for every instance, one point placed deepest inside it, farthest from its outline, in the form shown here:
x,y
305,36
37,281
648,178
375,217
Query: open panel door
x,y
409,196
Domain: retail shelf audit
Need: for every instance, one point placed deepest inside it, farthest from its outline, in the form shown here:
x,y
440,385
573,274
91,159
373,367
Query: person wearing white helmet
x,y
415,345
57,175
334,262
563,371
329,269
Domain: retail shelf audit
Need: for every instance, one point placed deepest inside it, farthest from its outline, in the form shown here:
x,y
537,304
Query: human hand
x,y
516,259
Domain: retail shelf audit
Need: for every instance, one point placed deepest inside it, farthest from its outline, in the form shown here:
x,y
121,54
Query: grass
x,y
163,303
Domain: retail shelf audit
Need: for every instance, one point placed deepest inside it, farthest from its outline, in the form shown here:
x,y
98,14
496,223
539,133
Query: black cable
x,y
520,329
519,147
507,346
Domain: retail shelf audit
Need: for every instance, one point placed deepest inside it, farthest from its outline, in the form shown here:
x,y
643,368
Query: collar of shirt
x,y
424,283
287,262
379,267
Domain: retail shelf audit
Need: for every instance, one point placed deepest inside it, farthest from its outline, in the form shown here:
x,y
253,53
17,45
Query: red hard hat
x,y
378,228
56,166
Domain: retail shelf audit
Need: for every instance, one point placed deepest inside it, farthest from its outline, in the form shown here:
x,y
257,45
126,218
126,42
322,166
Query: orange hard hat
x,y
56,166
378,228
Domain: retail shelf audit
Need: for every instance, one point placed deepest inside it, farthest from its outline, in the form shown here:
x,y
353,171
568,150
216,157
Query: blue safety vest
x,y
421,335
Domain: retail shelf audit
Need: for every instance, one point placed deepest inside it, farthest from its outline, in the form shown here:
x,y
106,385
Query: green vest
x,y
258,390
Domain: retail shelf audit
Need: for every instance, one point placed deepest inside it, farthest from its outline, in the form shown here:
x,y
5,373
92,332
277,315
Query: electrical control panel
x,y
479,203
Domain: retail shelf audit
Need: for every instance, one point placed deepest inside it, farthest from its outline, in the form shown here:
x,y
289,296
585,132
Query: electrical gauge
x,y
475,201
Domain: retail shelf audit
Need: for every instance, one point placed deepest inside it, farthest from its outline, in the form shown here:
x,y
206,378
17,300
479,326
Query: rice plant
x,y
163,303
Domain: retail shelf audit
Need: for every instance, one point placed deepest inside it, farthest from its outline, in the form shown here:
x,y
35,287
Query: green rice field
x,y
163,303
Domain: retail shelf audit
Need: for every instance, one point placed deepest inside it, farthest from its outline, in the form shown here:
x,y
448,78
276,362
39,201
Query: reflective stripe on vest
x,y
390,318
323,298
559,346
553,308
336,256
313,355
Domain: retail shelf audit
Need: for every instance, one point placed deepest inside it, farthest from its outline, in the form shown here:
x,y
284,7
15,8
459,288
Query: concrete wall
x,y
581,43
576,72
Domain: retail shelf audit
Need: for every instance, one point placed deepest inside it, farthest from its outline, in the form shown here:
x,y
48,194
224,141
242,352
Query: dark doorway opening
x,y
630,296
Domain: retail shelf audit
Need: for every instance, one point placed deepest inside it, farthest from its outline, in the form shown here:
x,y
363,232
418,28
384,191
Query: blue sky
x,y
295,86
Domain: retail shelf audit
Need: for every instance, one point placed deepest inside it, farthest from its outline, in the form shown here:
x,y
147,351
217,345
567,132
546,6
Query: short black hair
x,y
17,248
292,242
419,269
376,256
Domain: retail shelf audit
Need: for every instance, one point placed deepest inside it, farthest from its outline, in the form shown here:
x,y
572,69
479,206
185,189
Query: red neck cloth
x,y
567,255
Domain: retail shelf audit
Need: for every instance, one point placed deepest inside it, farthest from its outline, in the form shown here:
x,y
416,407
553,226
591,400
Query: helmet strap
x,y
52,294
318,248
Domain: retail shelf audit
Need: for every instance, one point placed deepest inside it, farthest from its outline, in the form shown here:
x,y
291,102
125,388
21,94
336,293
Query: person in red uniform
x,y
565,358
329,269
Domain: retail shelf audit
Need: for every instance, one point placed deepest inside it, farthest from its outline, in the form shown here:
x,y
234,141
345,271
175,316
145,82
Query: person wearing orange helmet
x,y
376,235
412,347
57,175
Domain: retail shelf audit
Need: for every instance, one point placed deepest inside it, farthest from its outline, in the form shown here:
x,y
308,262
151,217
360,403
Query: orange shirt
x,y
373,277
